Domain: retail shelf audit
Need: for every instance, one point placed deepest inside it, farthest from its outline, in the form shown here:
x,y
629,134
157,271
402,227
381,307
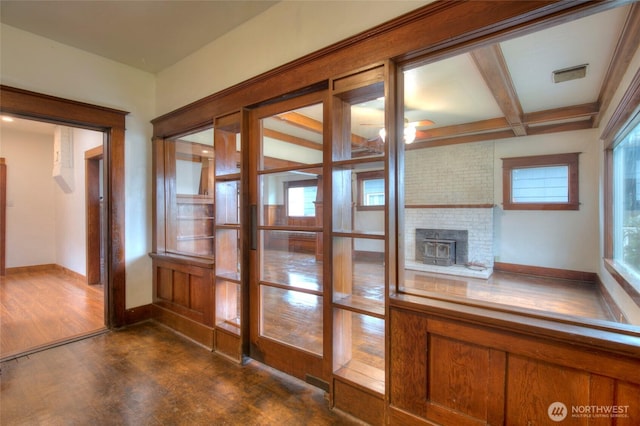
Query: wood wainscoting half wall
x,y
183,296
454,364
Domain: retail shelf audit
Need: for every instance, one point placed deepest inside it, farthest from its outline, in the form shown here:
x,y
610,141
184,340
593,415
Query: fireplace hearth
x,y
439,252
443,247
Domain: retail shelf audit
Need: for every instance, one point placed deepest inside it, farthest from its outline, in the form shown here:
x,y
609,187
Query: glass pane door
x,y
287,290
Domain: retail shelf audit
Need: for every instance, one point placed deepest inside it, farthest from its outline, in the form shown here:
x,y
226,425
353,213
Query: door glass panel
x,y
292,317
292,138
190,205
359,348
289,224
358,267
289,258
291,198
363,133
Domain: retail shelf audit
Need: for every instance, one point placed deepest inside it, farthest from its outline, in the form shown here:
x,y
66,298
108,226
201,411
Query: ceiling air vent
x,y
571,73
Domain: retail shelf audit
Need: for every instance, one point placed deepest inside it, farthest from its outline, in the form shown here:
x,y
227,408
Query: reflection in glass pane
x,y
350,194
292,317
289,258
626,201
359,356
290,195
368,133
194,169
190,208
228,306
228,202
292,138
358,279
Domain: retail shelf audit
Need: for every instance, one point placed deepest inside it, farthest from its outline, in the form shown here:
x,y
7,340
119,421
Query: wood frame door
x,y
288,298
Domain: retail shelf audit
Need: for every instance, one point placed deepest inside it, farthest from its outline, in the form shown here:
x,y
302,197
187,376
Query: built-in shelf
x,y
364,375
361,305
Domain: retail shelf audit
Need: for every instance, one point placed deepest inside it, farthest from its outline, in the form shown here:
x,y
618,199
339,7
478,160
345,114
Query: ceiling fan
x,y
410,128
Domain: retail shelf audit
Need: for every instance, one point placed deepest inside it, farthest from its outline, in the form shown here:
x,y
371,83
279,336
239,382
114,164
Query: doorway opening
x,y
111,122
50,293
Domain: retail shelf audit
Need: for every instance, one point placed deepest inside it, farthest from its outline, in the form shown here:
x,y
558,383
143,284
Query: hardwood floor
x,y
148,375
42,307
547,295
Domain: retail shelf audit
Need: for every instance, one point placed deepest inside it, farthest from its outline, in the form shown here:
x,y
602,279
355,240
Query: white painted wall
x,y
45,225
552,239
30,197
70,208
35,63
283,33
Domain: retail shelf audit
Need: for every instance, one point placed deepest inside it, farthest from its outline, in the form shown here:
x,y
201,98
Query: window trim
x,y
360,178
569,159
624,118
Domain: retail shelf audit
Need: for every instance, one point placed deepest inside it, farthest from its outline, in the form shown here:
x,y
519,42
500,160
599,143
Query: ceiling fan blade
x,y
422,123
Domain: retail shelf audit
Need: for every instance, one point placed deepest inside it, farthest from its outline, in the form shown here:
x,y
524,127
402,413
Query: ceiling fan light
x,y
409,134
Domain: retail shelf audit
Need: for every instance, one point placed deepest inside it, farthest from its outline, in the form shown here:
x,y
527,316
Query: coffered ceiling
x,y
495,91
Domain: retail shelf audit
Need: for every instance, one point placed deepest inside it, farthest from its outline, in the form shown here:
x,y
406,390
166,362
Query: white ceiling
x,y
146,34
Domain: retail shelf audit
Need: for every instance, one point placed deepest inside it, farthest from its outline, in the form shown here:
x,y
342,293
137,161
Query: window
x,y
543,182
626,201
301,197
371,190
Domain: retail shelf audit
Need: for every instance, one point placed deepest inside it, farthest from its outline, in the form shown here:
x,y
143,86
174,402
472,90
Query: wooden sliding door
x,y
288,299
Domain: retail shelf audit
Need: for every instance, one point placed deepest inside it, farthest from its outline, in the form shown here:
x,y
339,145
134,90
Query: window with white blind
x,y
543,182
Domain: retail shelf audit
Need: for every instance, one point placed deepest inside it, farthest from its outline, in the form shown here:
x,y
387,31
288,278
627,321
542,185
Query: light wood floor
x,y
40,308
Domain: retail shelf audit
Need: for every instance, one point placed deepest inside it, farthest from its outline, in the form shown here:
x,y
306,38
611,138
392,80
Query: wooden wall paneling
x,y
408,362
164,284
181,291
533,385
228,345
364,404
627,398
459,376
543,348
198,332
185,289
454,372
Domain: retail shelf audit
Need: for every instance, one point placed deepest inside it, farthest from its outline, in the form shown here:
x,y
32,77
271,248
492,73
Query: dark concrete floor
x,y
148,375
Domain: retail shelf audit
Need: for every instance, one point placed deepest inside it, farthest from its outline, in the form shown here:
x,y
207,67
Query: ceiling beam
x,y
492,124
460,139
285,137
306,123
493,68
625,49
561,127
498,128
563,113
301,121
